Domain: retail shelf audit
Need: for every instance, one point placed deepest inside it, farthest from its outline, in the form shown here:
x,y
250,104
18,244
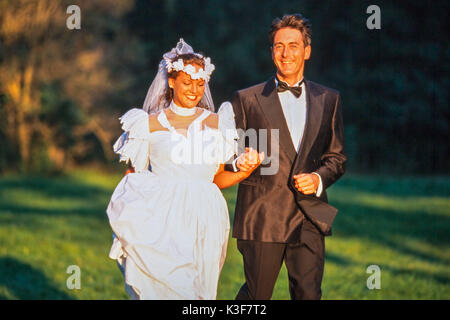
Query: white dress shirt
x,y
294,110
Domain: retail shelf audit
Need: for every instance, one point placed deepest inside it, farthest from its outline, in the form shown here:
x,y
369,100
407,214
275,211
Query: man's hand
x,y
306,183
249,160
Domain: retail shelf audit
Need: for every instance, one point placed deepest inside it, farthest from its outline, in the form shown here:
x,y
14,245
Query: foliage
x,y
393,82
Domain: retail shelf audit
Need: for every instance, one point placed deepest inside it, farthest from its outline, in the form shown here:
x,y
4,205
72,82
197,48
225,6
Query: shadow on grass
x,y
336,259
21,210
394,219
393,186
394,229
25,282
439,278
53,188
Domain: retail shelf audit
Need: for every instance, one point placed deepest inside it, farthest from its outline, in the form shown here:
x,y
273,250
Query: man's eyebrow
x,y
291,42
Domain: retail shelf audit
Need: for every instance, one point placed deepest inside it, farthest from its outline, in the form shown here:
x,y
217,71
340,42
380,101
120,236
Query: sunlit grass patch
x,y
400,224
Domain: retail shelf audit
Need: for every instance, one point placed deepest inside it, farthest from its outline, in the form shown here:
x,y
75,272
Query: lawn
x,y
400,224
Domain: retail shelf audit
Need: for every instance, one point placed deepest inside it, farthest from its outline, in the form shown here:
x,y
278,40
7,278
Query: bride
x,y
169,218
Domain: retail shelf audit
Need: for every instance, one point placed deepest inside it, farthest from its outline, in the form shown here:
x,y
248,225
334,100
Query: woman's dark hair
x,y
294,21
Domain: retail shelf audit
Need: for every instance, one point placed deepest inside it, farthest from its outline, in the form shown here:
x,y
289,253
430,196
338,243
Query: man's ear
x,y
307,52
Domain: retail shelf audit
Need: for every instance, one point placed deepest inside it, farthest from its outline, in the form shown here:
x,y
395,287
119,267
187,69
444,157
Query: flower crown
x,y
178,65
190,69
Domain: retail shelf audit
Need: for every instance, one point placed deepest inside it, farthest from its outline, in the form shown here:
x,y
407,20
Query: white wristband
x,y
235,169
319,188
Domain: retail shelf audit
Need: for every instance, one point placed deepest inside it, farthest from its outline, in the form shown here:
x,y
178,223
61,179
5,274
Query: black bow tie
x,y
296,91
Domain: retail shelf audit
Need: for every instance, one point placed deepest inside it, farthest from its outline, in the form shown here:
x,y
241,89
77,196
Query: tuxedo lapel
x,y
271,106
314,112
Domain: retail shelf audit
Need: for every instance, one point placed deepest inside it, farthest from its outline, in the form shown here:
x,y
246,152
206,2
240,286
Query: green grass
x,y
400,224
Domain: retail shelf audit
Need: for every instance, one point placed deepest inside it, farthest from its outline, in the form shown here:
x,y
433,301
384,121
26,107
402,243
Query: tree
x,y
37,51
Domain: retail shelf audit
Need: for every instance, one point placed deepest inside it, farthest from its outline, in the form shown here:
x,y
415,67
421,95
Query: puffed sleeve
x,y
227,127
134,145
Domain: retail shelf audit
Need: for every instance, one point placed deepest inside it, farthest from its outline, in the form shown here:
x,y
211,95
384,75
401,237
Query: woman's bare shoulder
x,y
212,121
153,122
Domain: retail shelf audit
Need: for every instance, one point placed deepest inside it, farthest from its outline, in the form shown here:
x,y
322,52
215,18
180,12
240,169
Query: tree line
x,y
62,91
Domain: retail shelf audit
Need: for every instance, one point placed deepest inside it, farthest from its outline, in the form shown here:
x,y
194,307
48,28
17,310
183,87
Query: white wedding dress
x,y
171,224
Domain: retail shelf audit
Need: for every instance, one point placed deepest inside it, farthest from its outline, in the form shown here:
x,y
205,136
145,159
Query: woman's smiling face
x,y
187,92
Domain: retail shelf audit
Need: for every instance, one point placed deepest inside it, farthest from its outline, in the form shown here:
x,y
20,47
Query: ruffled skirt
x,y
170,236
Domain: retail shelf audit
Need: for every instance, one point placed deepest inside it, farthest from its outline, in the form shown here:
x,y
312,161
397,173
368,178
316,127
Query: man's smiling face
x,y
289,54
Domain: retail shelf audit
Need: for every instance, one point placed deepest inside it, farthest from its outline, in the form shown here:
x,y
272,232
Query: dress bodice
x,y
173,155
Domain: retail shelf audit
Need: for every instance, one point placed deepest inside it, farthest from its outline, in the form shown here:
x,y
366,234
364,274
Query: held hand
x,y
249,160
306,183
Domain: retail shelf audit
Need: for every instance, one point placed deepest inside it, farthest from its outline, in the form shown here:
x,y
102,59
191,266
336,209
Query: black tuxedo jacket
x,y
268,207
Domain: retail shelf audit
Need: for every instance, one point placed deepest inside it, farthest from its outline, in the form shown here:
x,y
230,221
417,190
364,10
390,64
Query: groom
x,y
284,216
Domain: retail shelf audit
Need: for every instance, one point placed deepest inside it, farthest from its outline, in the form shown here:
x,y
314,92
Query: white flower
x,y
190,69
178,65
209,67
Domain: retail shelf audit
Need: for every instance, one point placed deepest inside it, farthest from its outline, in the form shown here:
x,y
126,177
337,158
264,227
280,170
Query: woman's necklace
x,y
184,112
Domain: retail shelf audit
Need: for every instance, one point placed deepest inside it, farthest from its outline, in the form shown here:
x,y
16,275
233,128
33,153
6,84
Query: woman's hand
x,y
247,163
249,160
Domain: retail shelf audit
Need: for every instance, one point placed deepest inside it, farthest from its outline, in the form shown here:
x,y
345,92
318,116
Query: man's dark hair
x,y
294,21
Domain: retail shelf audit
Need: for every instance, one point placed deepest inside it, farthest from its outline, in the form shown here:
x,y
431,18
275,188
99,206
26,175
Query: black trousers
x,y
304,262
